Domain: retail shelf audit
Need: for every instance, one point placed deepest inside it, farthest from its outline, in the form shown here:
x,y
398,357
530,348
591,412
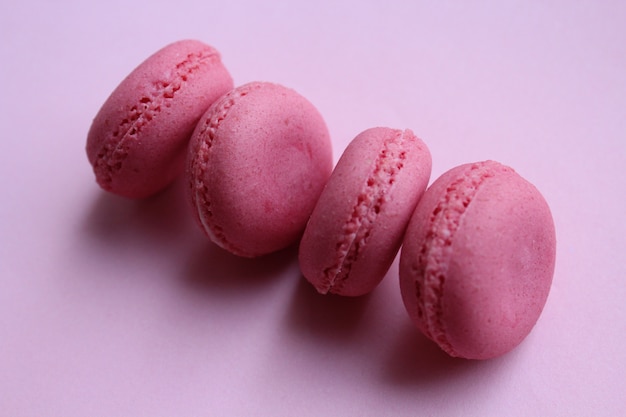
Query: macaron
x,y
257,163
477,260
137,141
357,226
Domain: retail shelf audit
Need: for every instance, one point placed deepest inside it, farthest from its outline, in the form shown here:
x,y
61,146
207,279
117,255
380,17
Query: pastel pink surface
x,y
357,225
137,141
257,163
477,260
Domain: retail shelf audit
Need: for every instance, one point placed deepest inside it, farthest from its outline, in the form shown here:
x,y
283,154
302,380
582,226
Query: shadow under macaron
x,y
415,360
325,317
212,269
118,222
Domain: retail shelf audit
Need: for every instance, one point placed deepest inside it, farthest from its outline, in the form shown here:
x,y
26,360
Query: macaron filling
x,y
436,250
110,158
373,195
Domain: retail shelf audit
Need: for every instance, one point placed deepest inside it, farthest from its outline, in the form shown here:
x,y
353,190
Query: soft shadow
x,y
164,215
325,317
163,225
416,360
211,268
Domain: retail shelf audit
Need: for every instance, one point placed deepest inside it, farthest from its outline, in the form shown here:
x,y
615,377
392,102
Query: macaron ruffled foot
x,y
137,142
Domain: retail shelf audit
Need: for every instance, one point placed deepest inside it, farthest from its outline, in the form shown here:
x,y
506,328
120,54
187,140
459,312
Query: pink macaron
x,y
357,226
477,260
257,163
137,141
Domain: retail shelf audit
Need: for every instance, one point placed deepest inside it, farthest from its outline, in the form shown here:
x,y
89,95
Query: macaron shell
x,y
499,268
137,141
355,231
258,161
501,272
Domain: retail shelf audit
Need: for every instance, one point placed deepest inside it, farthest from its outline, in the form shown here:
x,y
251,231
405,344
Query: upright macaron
x,y
137,141
257,163
357,226
477,260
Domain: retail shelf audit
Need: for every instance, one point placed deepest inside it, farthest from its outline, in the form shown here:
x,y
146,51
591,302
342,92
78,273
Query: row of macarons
x,y
478,245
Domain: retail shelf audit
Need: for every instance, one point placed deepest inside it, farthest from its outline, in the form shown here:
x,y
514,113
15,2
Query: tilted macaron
x,y
137,141
477,260
257,163
357,226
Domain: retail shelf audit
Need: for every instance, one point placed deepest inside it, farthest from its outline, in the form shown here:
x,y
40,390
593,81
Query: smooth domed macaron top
x,y
478,259
137,141
357,225
257,162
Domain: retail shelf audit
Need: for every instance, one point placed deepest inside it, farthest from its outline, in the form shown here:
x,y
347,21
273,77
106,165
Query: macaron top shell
x,y
137,141
258,161
478,259
357,225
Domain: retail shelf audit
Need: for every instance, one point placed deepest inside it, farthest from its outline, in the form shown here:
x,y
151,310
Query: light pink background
x,y
111,307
